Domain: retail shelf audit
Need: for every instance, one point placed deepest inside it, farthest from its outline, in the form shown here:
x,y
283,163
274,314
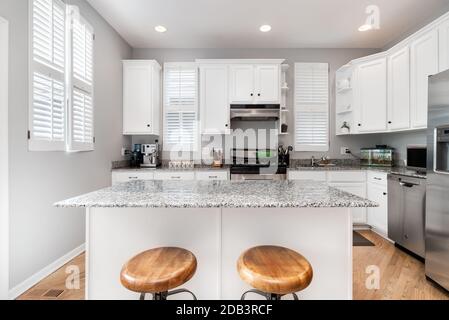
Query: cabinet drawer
x,y
347,176
212,175
182,175
378,178
125,176
307,175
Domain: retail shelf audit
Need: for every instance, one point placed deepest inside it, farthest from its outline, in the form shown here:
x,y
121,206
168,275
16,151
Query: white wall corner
x,y
18,290
4,163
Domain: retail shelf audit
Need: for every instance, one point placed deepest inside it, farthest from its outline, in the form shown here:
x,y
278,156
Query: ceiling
x,y
235,23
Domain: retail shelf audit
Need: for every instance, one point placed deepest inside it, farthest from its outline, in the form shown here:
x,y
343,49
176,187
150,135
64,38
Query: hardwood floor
x,y
401,276
54,286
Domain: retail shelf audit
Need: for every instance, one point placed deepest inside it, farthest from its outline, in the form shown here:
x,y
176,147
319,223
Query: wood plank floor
x,y
402,276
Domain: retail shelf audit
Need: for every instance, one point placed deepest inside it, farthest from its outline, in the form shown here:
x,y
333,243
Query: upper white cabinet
x,y
255,84
371,96
267,84
424,62
361,107
141,97
214,99
242,84
443,34
399,90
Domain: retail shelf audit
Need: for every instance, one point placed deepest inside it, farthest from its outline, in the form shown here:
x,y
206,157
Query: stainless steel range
x,y
257,165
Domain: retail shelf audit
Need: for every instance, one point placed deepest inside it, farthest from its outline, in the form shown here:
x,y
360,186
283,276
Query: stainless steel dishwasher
x,y
406,212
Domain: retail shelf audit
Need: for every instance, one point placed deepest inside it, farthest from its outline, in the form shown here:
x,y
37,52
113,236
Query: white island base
x,y
217,237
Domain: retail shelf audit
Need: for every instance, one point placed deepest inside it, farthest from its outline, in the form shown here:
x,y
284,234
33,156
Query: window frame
x,y
195,108
309,147
65,76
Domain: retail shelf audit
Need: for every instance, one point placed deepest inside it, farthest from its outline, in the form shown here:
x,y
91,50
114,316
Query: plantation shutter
x,y
82,102
47,114
312,107
180,107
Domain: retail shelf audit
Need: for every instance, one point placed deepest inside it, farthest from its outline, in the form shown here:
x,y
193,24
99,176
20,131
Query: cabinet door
x,y
372,96
242,84
307,175
132,175
358,189
137,98
214,99
399,90
424,62
268,84
174,175
443,33
378,217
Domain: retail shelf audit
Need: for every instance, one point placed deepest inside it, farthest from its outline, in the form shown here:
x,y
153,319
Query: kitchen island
x,y
217,221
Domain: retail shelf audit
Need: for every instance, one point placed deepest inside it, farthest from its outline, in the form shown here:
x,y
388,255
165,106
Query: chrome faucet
x,y
313,161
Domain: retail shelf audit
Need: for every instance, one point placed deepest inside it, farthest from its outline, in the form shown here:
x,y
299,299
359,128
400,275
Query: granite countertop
x,y
218,194
389,170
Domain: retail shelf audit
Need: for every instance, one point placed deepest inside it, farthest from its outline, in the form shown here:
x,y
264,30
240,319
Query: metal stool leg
x,y
260,293
295,296
182,291
142,296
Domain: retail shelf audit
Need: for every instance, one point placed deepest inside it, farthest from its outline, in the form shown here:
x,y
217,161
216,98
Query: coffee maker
x,y
151,155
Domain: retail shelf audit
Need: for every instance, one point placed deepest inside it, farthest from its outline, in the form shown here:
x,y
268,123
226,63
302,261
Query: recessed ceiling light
x,y
160,29
365,27
265,28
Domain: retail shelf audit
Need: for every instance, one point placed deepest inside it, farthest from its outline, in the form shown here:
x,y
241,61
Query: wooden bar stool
x,y
274,272
159,270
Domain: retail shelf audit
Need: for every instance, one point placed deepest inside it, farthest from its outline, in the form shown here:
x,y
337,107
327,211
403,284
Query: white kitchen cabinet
x,y
443,35
424,62
141,97
347,176
174,175
242,84
212,175
214,99
307,175
131,175
267,84
359,189
378,192
399,90
255,84
371,96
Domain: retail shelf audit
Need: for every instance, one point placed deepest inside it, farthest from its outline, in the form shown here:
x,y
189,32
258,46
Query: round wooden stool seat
x,y
275,270
158,270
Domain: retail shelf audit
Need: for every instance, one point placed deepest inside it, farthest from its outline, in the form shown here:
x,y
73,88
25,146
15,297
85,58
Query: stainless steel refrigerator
x,y
437,202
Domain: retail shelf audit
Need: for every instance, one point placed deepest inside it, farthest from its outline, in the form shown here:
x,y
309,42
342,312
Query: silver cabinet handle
x,y
175,178
379,179
213,177
133,178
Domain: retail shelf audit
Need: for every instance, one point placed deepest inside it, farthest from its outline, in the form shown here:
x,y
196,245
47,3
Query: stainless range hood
x,y
259,112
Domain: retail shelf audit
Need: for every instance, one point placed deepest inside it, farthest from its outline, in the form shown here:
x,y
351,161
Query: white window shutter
x,y
181,107
47,115
312,107
81,117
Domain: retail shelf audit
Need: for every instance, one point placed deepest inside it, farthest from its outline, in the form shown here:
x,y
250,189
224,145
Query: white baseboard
x,y
45,272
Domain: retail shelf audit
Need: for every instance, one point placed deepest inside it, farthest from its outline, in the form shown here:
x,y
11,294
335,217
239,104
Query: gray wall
x,y
335,57
40,233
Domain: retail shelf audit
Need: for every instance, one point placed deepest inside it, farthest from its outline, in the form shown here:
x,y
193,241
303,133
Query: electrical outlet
x,y
345,151
123,151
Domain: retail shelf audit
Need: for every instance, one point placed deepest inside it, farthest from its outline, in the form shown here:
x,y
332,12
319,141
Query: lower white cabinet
x,y
174,175
126,176
307,175
212,175
359,189
378,192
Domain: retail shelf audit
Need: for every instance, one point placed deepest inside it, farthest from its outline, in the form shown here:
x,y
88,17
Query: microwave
x,y
417,158
377,157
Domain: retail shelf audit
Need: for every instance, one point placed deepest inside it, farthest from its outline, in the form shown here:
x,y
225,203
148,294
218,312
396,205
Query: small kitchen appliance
x,y
417,158
151,155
